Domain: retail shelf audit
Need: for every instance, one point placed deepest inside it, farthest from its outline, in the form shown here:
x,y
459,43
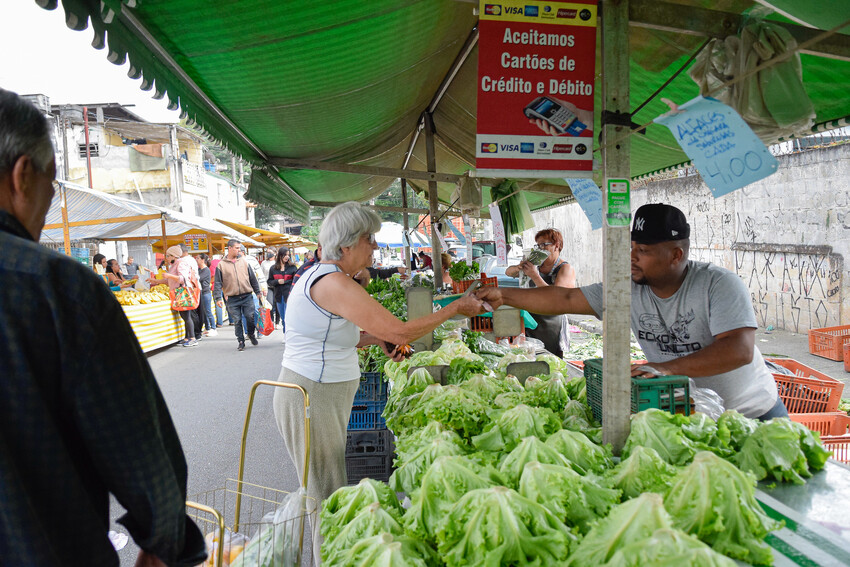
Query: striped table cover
x,y
155,324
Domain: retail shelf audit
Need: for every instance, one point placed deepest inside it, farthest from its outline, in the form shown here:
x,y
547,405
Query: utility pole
x,y
176,193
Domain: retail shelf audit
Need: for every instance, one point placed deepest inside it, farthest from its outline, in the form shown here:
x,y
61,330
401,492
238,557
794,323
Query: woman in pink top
x,y
179,273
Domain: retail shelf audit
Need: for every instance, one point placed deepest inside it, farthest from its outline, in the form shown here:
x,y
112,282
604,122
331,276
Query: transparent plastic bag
x,y
231,547
706,401
490,347
278,541
773,100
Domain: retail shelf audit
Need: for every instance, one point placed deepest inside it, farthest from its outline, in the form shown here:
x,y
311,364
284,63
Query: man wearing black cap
x,y
691,318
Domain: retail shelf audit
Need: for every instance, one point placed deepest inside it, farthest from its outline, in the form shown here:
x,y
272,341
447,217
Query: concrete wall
x,y
786,236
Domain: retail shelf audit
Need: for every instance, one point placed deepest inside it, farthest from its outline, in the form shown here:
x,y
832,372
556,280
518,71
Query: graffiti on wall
x,y
793,287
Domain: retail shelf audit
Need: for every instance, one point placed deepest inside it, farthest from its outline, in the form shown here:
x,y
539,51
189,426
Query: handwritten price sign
x,y
724,149
589,197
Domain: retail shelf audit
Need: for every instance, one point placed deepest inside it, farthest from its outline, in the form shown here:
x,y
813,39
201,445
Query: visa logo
x,y
526,147
489,148
509,147
514,10
531,11
493,9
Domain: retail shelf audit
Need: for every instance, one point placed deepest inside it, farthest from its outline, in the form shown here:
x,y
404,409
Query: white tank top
x,y
320,345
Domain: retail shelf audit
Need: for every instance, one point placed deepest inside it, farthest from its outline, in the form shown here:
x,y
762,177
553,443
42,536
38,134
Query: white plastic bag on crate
x,y
278,542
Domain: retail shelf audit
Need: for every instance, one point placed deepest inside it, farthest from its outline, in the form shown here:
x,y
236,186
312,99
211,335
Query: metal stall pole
x,y
164,237
616,387
66,228
406,222
433,202
88,145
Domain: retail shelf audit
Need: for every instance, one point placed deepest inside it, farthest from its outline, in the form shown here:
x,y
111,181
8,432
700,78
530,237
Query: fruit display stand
x,y
155,324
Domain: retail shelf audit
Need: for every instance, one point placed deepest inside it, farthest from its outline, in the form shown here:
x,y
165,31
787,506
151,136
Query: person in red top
x,y
427,263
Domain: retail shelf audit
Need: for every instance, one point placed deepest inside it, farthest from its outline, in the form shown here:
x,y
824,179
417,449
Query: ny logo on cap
x,y
639,223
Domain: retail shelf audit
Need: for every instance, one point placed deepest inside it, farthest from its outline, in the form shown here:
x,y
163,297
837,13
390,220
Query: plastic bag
x,y
232,546
489,347
772,101
265,325
706,401
278,542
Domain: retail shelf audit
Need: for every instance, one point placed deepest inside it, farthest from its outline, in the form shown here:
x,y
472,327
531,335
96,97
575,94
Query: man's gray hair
x,y
344,226
232,242
24,131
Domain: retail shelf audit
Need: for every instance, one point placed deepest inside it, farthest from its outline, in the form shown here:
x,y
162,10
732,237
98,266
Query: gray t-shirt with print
x,y
711,301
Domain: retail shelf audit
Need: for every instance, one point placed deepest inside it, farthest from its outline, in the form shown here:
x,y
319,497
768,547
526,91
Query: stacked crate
x,y
812,399
369,448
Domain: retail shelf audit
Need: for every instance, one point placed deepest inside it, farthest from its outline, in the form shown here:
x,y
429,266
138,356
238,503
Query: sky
x,y
41,55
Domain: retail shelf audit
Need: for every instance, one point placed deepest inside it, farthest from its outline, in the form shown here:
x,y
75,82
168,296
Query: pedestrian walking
x,y
236,283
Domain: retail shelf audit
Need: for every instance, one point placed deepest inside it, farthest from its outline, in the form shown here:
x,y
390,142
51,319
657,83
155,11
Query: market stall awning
x,y
97,215
282,81
268,237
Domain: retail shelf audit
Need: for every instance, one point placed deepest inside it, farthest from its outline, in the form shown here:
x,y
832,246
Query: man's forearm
x,y
549,300
723,355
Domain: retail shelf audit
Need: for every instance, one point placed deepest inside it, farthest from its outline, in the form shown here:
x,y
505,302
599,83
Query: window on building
x,y
93,150
199,208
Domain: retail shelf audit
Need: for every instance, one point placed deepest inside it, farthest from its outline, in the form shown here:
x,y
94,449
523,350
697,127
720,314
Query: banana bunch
x,y
161,288
129,297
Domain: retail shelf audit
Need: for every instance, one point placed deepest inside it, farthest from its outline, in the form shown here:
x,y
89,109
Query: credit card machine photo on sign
x,y
562,119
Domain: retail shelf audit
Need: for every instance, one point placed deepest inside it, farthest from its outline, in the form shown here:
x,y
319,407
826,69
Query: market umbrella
x,y
391,235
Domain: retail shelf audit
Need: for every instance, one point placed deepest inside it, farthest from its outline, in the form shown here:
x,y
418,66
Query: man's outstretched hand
x,y
490,295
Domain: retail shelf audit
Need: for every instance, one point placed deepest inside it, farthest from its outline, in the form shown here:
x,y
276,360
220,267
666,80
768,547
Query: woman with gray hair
x,y
329,315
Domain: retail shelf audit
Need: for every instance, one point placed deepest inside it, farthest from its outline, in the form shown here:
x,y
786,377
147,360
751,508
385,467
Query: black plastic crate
x,y
369,442
377,467
668,393
372,388
367,415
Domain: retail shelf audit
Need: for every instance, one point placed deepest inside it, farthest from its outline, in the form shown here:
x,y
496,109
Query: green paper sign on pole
x,y
619,211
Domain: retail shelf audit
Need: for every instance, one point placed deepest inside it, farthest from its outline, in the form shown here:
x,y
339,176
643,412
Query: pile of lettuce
x,y
500,474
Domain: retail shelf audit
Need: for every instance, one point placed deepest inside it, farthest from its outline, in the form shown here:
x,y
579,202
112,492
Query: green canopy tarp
x,y
347,81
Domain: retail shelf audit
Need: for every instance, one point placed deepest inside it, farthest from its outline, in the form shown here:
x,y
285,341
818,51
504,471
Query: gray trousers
x,y
330,409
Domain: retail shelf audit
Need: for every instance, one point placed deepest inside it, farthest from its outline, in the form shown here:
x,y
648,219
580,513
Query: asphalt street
x,y
207,388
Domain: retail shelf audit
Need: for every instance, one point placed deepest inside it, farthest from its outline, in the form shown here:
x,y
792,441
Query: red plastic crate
x,y
461,287
808,391
834,429
829,342
840,447
481,324
830,424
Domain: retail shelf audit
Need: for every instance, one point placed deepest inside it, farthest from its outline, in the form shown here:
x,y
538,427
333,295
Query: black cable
x,y
670,80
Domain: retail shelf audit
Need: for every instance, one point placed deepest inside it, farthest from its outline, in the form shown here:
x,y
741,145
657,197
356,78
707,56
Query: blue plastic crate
x,y
367,415
372,388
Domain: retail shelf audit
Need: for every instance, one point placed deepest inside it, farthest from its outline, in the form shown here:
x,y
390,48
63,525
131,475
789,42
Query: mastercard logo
x,y
489,148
